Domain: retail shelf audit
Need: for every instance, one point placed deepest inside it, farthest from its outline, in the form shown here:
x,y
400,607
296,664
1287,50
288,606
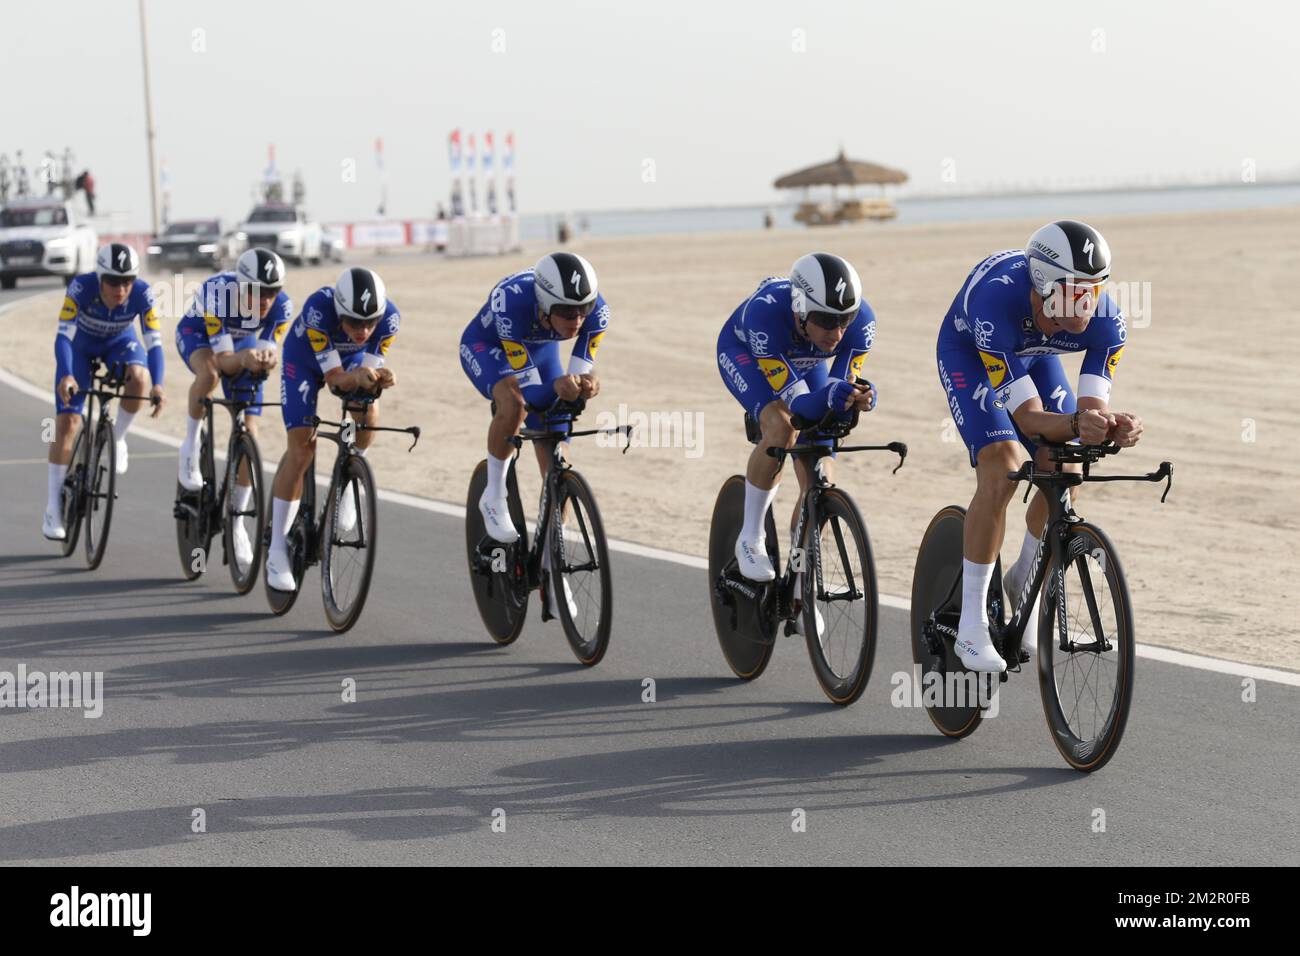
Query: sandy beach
x,y
1208,570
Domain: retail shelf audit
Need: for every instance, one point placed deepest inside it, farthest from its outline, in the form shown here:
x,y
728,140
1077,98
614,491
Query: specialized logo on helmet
x,y
1088,247
365,301
576,279
840,287
269,269
121,258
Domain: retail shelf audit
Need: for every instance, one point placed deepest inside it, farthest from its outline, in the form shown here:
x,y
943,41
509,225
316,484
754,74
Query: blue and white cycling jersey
x,y
217,305
992,315
992,357
322,327
507,338
762,357
87,325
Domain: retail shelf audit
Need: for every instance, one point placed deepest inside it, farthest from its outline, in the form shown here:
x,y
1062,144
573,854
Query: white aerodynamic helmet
x,y
360,294
822,283
564,278
1066,250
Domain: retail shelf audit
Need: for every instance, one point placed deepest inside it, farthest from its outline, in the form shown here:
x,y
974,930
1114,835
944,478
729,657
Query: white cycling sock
x,y
241,496
757,501
191,433
1021,568
497,469
282,514
975,581
54,486
122,424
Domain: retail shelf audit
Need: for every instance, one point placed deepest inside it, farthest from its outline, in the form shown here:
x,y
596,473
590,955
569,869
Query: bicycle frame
x,y
788,603
345,439
1050,557
550,486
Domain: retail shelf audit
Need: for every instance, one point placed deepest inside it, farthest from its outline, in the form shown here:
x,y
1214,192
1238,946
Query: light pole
x,y
148,121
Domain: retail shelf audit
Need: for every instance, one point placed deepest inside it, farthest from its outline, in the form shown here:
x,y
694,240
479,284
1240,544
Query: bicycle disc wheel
x,y
295,544
745,633
842,594
502,604
101,486
193,518
1087,688
251,520
580,563
348,550
70,498
945,685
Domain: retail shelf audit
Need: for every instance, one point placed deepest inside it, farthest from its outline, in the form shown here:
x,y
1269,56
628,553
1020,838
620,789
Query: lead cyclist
x,y
998,363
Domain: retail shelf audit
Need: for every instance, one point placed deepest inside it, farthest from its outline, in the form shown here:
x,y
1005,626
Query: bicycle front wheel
x,y
1086,651
70,500
840,617
350,537
579,573
246,522
101,486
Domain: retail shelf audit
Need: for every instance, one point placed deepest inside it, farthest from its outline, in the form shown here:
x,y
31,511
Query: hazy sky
x,y
721,97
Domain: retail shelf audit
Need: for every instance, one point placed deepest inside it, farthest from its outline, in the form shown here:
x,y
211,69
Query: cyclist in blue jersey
x,y
341,339
96,321
234,326
998,363
510,351
773,355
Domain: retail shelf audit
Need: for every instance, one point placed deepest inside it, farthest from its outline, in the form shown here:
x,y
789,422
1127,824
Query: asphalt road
x,y
212,704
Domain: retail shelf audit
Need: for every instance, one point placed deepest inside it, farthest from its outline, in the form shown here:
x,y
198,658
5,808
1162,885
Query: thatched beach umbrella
x,y
842,171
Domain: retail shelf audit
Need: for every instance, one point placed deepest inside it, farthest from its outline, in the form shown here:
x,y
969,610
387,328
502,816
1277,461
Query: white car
x,y
43,237
285,229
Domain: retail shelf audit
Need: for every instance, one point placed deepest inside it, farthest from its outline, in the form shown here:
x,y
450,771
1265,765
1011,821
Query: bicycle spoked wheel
x,y
1087,688
839,602
101,486
579,573
502,602
349,541
70,502
193,522
246,523
746,628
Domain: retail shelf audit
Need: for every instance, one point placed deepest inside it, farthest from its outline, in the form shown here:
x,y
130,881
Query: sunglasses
x,y
571,311
828,320
118,281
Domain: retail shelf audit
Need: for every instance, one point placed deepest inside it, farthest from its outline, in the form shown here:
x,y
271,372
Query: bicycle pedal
x,y
789,628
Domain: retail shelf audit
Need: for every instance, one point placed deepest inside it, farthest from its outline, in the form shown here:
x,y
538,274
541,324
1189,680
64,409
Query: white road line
x,y
1149,651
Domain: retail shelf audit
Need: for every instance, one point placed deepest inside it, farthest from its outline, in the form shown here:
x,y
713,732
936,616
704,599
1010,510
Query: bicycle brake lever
x,y
627,436
415,432
1167,469
900,449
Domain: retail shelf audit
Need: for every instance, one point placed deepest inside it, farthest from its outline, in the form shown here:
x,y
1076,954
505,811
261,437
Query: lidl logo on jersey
x,y
855,365
151,320
776,373
384,343
1112,360
995,363
212,324
69,310
319,340
516,354
594,344
280,332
